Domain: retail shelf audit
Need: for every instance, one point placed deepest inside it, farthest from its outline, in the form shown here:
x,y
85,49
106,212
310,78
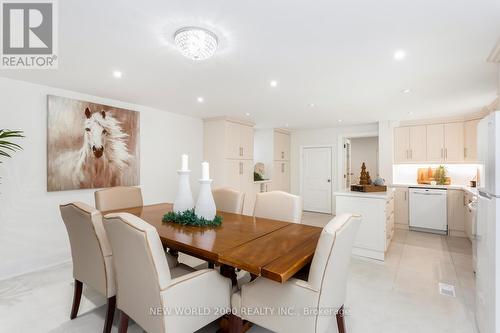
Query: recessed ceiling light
x,y
200,99
399,55
406,91
247,114
273,83
311,105
117,74
410,113
340,120
286,125
196,43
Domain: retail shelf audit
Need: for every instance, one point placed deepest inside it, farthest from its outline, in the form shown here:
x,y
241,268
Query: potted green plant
x,y
7,147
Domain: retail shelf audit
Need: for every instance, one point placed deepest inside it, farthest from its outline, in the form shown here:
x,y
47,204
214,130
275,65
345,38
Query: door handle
x,y
329,180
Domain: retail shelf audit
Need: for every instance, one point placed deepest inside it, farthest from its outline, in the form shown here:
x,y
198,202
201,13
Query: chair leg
x,y
110,313
123,323
341,320
77,296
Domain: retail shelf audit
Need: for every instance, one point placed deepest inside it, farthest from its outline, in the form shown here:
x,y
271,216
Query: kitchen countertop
x,y
373,195
469,189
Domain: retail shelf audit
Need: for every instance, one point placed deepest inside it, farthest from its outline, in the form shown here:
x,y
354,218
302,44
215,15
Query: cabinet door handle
x,y
405,195
446,153
241,168
283,155
241,151
442,154
465,152
282,167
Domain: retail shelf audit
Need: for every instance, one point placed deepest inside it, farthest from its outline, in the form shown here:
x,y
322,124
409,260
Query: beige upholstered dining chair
x,y
228,200
322,294
92,257
118,198
152,294
278,205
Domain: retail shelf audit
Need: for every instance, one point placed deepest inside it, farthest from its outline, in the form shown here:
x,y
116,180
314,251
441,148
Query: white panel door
x,y
435,143
317,179
454,142
401,144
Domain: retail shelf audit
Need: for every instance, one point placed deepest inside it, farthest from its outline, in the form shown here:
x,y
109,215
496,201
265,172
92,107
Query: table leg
x,y
341,320
230,273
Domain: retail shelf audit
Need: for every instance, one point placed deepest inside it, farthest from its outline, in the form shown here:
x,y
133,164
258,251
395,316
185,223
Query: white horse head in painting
x,y
101,159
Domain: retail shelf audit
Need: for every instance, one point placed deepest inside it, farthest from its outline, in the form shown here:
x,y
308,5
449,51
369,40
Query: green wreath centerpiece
x,y
188,217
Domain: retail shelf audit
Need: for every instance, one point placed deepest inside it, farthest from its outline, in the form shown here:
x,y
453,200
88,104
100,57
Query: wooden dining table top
x,y
273,249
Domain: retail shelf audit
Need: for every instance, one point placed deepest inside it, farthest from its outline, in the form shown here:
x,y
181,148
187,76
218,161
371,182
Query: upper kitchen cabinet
x,y
239,140
445,143
435,143
454,142
410,144
470,134
450,142
281,146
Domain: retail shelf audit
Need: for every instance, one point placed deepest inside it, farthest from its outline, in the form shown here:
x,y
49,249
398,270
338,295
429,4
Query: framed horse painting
x,y
90,145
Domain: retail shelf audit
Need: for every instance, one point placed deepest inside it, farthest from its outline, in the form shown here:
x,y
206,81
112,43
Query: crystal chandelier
x,y
196,43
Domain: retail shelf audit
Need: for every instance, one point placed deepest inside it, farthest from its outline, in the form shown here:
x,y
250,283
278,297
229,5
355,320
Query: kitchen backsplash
x,y
460,174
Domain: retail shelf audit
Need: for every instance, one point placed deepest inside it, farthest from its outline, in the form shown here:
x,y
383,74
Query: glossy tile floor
x,y
399,295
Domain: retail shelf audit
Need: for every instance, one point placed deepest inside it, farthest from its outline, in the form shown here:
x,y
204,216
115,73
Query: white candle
x,y
184,162
204,171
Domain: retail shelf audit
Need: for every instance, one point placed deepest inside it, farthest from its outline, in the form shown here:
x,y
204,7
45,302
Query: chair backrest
x,y
90,249
228,200
118,198
141,268
278,205
330,265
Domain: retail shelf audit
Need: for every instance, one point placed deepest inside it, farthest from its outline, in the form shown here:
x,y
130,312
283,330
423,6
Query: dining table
x,y
267,248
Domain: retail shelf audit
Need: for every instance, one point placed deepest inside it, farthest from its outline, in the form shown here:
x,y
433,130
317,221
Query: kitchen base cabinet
x,y
456,213
377,225
401,208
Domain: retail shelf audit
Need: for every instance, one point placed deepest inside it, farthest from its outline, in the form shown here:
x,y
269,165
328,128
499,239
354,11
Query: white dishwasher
x,y
428,211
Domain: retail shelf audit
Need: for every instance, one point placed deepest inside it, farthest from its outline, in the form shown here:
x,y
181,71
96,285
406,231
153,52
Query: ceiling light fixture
x,y
286,125
406,91
399,55
340,120
200,99
117,74
247,114
273,83
196,43
311,105
410,113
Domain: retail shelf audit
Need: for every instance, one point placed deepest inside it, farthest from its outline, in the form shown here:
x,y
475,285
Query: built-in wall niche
x,y
461,174
359,150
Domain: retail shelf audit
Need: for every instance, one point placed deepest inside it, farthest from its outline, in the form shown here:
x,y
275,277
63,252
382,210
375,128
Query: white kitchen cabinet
x,y
401,207
281,176
410,144
451,142
377,220
228,147
239,140
456,212
470,135
454,142
281,146
435,143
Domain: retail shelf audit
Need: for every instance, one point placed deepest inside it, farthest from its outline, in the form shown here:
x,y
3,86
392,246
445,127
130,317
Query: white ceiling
x,y
335,54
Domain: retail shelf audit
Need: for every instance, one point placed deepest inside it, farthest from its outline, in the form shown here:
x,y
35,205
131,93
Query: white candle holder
x,y
184,200
205,206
